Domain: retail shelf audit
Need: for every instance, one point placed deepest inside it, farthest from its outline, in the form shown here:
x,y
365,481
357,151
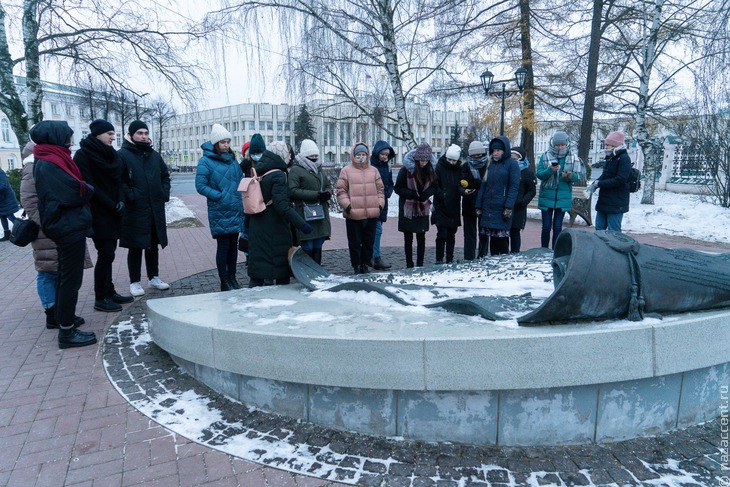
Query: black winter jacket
x,y
447,200
468,202
525,194
385,173
63,204
147,189
102,168
613,196
269,232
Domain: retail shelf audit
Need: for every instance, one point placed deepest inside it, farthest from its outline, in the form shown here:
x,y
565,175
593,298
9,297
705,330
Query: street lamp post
x,y
488,80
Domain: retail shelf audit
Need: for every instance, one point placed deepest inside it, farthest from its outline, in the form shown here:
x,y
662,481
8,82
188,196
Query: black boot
x,y
483,242
234,282
317,255
420,253
356,269
225,284
69,337
6,236
51,322
380,265
363,268
106,305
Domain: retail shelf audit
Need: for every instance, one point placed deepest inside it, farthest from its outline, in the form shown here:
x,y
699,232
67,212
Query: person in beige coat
x,y
361,194
44,249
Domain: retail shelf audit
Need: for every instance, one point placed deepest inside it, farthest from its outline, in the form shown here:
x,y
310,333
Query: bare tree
x,y
162,113
398,46
88,37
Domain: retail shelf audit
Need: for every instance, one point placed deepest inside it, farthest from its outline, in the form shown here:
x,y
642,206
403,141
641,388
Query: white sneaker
x,y
135,289
157,283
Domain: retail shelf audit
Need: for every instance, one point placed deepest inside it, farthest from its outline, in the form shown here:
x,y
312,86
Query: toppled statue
x,y
607,275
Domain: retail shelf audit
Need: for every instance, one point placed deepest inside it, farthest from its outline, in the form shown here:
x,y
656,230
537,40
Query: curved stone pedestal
x,y
392,370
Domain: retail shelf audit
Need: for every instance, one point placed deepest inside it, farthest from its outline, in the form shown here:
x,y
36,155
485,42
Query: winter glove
x,y
346,211
588,192
506,214
119,208
324,196
464,183
306,228
423,197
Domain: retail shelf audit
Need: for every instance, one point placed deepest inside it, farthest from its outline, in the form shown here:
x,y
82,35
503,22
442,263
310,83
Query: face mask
x,y
256,157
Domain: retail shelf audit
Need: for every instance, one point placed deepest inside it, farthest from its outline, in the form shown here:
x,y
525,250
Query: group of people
x,y
114,197
118,197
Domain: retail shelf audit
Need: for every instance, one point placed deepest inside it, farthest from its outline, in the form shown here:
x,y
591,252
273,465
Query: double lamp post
x,y
488,81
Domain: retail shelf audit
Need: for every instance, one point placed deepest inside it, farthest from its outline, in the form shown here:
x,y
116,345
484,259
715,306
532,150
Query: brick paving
x,y
63,423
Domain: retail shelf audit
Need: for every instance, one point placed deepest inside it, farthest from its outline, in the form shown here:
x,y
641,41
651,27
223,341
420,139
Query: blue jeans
x,y
552,219
46,287
378,234
309,245
610,221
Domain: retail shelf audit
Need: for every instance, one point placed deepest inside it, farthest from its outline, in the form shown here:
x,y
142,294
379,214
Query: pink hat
x,y
615,139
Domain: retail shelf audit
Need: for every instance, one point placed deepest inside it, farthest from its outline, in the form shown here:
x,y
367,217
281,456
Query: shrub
x,y
14,176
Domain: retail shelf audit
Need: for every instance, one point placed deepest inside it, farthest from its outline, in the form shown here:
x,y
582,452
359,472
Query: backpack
x,y
253,198
634,181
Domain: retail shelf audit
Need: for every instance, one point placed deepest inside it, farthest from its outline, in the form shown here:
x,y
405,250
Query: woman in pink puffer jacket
x,y
361,194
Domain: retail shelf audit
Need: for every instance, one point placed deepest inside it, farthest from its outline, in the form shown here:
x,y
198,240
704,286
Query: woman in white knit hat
x,y
309,188
217,178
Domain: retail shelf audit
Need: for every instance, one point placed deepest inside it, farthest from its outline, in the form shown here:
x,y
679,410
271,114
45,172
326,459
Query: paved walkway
x,y
63,423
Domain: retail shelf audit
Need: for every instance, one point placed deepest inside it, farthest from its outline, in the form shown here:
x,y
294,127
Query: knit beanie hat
x,y
257,144
27,150
218,133
559,138
453,152
423,152
308,148
360,148
477,147
136,125
616,139
245,148
100,126
279,148
518,153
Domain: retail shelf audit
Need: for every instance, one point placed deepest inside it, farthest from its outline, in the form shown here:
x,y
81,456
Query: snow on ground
x,y
175,210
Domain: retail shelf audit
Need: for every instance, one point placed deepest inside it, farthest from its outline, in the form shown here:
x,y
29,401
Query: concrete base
x,y
393,370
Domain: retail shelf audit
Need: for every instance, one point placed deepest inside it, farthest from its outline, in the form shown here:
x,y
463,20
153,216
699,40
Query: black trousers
x,y
360,240
498,245
420,248
68,280
151,259
515,239
105,249
445,240
226,254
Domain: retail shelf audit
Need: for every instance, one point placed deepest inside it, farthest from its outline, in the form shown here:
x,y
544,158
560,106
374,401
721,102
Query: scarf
x,y
476,164
143,147
415,208
570,164
524,164
308,164
61,156
103,157
611,153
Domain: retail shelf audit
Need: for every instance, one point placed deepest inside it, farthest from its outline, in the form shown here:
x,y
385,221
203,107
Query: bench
x,y
581,205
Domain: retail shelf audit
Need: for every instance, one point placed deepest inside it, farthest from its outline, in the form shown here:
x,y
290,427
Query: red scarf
x,y
60,156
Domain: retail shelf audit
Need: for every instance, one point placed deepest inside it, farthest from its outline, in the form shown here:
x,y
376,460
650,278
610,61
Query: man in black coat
x,y
147,189
447,203
102,168
63,205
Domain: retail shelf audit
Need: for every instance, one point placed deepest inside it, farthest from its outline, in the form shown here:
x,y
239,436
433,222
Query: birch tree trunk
x,y
32,61
641,133
10,102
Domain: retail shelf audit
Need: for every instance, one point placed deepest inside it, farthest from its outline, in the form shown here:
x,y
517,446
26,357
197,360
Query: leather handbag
x,y
24,232
313,212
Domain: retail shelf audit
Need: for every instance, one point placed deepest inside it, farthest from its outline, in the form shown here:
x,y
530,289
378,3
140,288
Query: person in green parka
x,y
309,185
558,170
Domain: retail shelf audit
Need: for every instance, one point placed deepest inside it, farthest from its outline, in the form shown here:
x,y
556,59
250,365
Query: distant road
x,y
183,183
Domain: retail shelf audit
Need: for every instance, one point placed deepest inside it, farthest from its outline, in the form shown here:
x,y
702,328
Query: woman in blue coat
x,y
497,196
8,205
217,178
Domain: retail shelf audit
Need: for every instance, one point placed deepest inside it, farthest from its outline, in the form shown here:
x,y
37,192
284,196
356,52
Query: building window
x,y
279,126
5,128
11,162
251,125
54,109
69,110
235,126
82,112
345,135
287,126
270,126
262,125
361,132
328,133
197,130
